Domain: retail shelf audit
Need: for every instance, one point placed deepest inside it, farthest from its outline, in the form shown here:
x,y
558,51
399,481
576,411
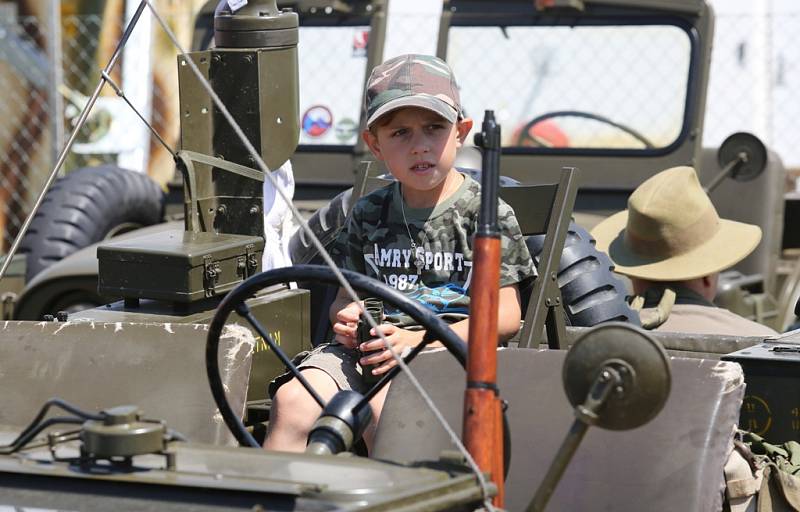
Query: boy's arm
x,y
509,313
508,316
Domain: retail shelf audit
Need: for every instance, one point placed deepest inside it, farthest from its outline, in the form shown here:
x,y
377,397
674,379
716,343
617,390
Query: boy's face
x,y
418,146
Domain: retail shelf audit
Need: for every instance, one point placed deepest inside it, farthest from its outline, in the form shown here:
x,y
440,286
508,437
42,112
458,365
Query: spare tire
x,y
86,206
590,291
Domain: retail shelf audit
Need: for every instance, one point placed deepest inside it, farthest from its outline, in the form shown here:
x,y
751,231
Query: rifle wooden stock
x,y
483,431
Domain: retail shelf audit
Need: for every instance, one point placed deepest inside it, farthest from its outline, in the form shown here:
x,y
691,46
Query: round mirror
x,y
747,148
639,360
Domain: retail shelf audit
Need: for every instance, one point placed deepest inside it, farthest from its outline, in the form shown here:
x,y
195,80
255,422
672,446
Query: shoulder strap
x,y
654,317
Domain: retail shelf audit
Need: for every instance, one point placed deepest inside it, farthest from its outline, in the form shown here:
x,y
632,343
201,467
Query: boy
x,y
415,235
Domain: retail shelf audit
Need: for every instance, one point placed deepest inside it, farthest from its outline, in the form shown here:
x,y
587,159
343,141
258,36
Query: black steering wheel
x,y
526,139
436,329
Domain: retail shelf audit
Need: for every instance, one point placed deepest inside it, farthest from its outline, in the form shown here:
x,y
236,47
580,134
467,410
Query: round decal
x,y
346,129
317,120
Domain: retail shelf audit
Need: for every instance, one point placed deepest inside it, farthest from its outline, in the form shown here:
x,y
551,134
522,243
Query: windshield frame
x,y
519,14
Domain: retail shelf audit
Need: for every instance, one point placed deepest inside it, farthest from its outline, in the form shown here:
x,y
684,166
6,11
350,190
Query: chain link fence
x,y
48,73
754,76
25,140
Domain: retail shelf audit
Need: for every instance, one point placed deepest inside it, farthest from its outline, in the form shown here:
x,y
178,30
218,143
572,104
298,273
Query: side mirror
x,y
634,365
616,377
742,156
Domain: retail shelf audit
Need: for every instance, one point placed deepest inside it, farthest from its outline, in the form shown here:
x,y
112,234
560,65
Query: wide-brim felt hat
x,y
672,232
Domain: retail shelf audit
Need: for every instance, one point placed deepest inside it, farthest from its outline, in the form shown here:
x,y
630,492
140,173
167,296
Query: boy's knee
x,y
293,399
292,396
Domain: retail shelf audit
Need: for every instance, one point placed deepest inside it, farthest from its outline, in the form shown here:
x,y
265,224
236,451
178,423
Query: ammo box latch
x,y
211,271
247,265
252,260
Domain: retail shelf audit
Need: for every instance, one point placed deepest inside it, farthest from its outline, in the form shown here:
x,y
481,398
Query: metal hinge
x,y
211,271
241,267
783,349
252,259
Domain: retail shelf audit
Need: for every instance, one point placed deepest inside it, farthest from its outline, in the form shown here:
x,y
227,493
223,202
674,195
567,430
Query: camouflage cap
x,y
412,81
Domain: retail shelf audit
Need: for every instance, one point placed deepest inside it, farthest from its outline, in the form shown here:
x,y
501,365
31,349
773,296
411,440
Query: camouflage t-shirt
x,y
376,242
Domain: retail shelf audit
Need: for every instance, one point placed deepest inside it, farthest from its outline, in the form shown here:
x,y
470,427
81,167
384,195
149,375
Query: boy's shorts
x,y
338,361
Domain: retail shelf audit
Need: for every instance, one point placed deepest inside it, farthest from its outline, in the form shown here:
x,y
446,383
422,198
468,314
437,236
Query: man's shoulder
x,y
713,320
743,326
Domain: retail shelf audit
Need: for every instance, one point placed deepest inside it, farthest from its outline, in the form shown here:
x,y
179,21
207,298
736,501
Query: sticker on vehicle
x,y
346,130
317,120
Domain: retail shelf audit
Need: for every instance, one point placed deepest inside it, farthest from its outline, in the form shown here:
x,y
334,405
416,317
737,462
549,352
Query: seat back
x,y
674,462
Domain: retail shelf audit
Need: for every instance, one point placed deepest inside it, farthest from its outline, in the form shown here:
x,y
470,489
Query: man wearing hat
x,y
672,244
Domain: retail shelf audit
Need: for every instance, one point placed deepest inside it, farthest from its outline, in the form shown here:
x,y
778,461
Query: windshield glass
x,y
332,72
599,87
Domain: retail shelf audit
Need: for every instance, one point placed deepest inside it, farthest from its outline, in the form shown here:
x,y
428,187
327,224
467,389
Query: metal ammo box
x,y
178,266
771,406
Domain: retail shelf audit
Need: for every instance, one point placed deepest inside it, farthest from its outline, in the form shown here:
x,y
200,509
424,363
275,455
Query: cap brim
x,y
431,103
731,244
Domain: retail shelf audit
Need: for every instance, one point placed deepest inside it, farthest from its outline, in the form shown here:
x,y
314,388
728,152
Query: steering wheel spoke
x,y
245,313
370,394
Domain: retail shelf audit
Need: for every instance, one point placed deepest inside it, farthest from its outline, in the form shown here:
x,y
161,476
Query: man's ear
x,y
710,286
372,143
463,128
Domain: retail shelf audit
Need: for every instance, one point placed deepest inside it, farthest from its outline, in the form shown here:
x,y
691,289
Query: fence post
x,y
56,101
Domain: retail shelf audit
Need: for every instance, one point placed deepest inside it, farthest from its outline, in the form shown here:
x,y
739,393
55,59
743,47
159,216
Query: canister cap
x,y
257,24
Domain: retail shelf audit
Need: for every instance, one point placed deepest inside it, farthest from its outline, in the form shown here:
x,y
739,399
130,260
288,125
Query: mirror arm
x,y
726,171
607,380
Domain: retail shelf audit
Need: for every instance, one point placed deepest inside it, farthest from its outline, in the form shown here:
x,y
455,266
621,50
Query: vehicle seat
x,y
675,462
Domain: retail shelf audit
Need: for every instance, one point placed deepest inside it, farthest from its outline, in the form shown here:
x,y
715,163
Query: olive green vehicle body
x,y
149,348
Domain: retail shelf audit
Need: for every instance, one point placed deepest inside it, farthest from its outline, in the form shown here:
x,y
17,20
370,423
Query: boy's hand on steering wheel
x,y
375,351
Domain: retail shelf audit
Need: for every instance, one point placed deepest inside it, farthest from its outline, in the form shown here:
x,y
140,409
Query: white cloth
x,y
277,219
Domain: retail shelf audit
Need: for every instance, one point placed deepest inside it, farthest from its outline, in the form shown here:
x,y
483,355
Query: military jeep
x,y
153,347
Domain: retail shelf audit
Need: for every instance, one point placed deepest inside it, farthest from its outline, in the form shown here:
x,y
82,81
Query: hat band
x,y
671,240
